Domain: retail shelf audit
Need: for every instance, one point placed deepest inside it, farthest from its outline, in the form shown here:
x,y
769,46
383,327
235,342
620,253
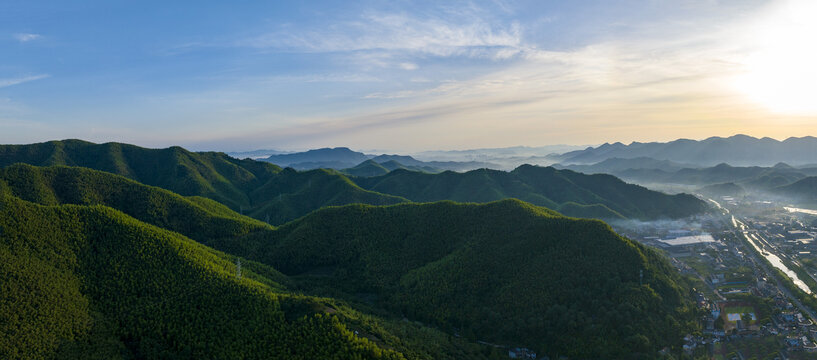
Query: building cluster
x,y
792,237
718,255
727,321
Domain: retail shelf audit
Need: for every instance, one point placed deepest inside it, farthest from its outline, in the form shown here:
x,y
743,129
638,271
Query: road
x,y
740,230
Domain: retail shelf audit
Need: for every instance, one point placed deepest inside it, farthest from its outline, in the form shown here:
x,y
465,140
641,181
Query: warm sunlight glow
x,y
781,74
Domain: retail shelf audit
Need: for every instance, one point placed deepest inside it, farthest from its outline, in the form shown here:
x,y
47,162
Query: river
x,y
804,211
778,263
772,258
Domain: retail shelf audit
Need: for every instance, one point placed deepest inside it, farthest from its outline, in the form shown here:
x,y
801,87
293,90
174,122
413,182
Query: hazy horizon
x,y
406,77
352,147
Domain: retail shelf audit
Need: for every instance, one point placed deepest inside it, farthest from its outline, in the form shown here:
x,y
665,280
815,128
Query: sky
x,y
405,76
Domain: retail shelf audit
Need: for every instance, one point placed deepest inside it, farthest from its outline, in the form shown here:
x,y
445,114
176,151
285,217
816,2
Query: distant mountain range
x,y
256,154
271,194
498,153
330,158
571,193
507,158
614,165
344,158
371,167
737,150
795,185
801,192
437,160
651,171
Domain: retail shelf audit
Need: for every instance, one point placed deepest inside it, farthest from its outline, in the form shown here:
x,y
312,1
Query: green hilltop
x,y
213,175
90,282
569,192
366,169
504,272
274,195
255,188
195,217
371,168
293,194
102,265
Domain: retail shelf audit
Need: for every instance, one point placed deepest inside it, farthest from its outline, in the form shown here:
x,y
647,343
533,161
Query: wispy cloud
x,y
408,66
470,35
323,78
26,37
611,66
20,80
608,88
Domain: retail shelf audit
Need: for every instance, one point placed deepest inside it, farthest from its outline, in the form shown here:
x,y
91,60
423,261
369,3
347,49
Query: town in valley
x,y
751,259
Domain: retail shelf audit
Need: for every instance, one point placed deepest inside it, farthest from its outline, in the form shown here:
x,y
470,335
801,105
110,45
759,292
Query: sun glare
x,y
781,74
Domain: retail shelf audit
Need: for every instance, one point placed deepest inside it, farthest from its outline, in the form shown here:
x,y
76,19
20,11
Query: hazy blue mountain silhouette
x,y
737,150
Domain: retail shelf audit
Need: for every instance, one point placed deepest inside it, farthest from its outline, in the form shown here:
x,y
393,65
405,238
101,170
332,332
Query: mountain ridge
x,y
474,259
395,249
755,177
91,282
340,158
271,194
736,150
561,190
260,189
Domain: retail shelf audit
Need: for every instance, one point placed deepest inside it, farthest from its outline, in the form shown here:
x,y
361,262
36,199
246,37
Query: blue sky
x,y
400,75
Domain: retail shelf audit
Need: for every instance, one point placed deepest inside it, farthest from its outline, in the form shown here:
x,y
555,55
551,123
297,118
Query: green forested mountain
x,y
371,167
90,282
213,175
80,278
292,194
269,193
571,193
392,165
257,188
504,272
366,168
195,217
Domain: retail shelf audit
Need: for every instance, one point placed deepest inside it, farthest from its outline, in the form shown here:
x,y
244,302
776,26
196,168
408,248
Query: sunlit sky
x,y
405,76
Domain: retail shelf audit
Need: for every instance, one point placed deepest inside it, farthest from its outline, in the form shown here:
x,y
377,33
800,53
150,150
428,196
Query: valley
x,y
756,277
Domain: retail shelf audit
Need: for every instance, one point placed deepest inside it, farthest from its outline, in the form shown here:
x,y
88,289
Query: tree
x,y
719,323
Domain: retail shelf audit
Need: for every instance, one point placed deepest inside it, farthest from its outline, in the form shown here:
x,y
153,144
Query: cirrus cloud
x,y
19,80
472,36
26,37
